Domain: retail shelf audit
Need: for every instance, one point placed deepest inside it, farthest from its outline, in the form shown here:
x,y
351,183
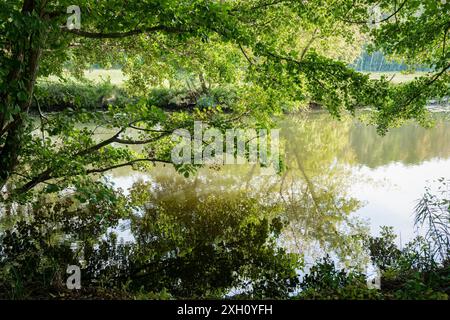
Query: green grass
x,y
115,76
397,77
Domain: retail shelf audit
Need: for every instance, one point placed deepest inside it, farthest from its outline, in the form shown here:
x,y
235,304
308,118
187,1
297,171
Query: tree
x,y
274,70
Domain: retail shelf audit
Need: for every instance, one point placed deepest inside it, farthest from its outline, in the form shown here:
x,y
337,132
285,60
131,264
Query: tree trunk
x,y
27,55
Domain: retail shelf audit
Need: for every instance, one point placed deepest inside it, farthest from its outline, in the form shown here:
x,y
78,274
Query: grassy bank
x,y
100,88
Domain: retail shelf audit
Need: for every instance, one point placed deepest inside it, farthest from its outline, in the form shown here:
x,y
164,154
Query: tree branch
x,y
429,83
245,54
118,35
47,174
309,44
126,164
137,142
382,20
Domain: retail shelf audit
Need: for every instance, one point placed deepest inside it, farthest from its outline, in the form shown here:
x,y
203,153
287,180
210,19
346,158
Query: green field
x,y
396,77
116,76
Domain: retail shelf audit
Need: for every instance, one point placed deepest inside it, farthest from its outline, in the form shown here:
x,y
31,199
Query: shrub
x,y
58,96
324,281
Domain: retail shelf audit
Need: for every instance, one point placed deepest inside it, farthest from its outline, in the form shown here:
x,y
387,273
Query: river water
x,y
341,178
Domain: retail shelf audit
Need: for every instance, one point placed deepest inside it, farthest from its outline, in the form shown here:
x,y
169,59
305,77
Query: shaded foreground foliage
x,y
201,246
90,96
412,273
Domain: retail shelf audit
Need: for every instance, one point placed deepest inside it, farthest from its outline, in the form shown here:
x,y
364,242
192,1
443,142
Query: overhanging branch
x,y
118,35
126,164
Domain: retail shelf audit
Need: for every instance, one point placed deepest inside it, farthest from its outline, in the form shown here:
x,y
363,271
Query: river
x,y
345,179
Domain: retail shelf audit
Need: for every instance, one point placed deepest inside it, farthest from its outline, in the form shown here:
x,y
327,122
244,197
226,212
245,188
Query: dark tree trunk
x,y
27,56
10,151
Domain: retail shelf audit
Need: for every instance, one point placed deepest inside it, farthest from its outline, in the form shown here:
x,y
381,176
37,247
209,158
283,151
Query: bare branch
x,y
309,44
245,54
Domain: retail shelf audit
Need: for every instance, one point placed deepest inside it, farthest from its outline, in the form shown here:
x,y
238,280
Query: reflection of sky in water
x,y
125,182
389,194
391,202
389,173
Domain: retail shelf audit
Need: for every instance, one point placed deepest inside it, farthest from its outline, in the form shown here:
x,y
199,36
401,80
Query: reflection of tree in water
x,y
201,236
410,144
186,244
211,240
312,190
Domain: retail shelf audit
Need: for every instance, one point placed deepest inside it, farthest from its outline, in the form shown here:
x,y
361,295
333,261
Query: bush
x,y
324,281
181,98
58,96
410,273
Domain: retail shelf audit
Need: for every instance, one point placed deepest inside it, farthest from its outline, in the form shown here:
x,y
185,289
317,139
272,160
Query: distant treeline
x,y
377,62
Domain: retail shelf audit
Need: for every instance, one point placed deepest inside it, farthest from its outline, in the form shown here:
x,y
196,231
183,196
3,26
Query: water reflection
x,y
409,144
222,227
342,180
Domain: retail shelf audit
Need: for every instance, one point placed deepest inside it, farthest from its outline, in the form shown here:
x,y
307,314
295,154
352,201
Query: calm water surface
x,y
341,178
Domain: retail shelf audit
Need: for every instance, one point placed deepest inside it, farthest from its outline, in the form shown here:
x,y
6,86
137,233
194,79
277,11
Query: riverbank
x,y
101,88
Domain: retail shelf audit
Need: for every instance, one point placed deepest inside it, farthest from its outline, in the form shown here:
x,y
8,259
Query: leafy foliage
x,y
73,95
408,273
412,272
323,281
433,211
276,56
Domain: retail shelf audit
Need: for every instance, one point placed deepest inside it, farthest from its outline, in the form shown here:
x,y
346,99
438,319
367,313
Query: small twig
x,y
245,54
